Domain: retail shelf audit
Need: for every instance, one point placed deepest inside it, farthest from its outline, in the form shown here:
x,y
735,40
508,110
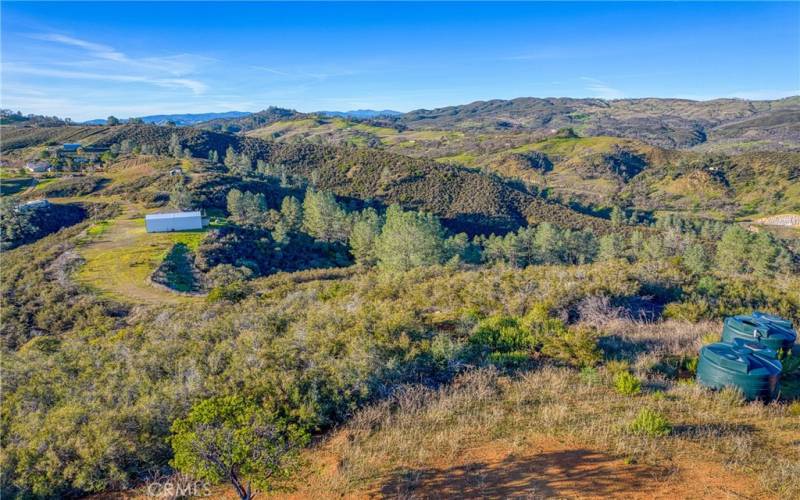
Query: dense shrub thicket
x,y
20,226
90,394
96,395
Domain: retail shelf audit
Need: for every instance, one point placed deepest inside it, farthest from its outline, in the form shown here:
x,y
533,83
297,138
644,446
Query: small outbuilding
x,y
37,166
177,221
33,205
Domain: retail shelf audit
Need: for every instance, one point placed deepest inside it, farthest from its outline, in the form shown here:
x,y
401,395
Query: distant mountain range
x,y
361,113
179,119
195,118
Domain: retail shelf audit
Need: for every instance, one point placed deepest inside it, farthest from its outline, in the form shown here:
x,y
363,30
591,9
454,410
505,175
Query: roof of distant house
x,y
40,201
174,215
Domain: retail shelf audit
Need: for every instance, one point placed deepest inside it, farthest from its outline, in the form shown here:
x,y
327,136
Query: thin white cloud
x,y
601,89
195,86
99,50
105,63
304,75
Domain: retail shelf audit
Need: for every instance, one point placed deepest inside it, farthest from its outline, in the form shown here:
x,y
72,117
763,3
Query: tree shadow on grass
x,y
558,474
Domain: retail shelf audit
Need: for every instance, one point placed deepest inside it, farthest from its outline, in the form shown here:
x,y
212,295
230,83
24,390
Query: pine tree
x,y
234,204
230,158
175,149
637,244
764,252
181,198
324,218
281,232
292,213
244,165
364,235
409,239
732,250
695,259
653,248
254,206
617,217
548,244
611,246
580,247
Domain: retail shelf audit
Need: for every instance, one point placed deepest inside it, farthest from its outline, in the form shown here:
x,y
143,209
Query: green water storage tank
x,y
778,323
775,333
747,365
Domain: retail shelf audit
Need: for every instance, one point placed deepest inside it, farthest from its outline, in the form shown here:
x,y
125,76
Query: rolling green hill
x,y
661,122
353,326
467,199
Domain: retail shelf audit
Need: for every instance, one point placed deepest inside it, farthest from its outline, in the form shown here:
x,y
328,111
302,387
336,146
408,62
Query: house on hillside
x,y
178,221
37,166
33,205
70,147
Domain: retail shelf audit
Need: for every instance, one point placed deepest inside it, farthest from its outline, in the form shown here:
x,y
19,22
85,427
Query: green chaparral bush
x,y
502,333
232,439
93,388
536,332
231,292
650,423
627,384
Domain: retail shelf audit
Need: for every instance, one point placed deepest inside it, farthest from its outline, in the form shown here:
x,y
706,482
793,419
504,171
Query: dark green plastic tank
x,y
772,331
778,323
749,366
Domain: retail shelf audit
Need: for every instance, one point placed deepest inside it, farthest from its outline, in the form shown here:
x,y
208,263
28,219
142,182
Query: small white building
x,y
178,221
33,205
37,166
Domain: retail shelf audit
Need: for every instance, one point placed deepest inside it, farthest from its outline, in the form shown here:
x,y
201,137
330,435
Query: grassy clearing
x,y
467,159
568,146
43,183
12,186
98,228
120,260
380,132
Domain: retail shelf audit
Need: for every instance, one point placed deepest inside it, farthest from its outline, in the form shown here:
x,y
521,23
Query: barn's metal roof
x,y
174,215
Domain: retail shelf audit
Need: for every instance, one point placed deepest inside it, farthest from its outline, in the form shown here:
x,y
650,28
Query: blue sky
x,y
89,60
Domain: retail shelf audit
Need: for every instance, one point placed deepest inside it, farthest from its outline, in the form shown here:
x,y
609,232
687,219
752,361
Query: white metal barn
x,y
178,221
